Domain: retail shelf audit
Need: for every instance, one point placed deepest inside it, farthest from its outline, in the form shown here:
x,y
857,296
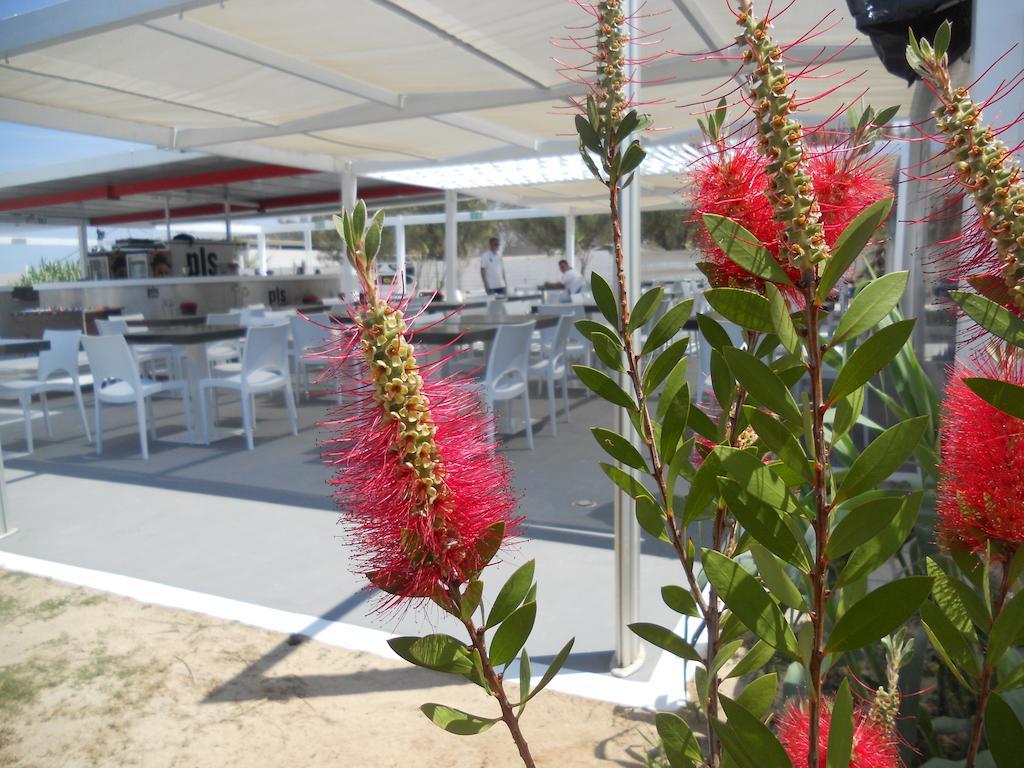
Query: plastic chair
x,y
310,334
57,371
552,365
146,355
507,373
116,381
223,351
264,369
577,346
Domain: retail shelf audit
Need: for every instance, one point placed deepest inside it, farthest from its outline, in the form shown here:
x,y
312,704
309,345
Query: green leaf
x,y
359,219
511,635
744,249
958,602
588,136
776,578
850,243
747,599
471,598
1007,629
847,412
668,325
680,745
619,448
882,457
754,478
781,321
749,737
603,386
840,733
511,595
869,358
781,442
674,382
941,45
645,308
456,721
588,328
524,679
878,613
665,639
674,425
874,302
605,299
553,668
662,365
679,600
765,525
626,481
991,316
372,244
631,158
487,546
722,382
745,308
867,557
610,352
757,696
713,333
441,653
758,655
950,644
1007,397
1005,732
650,517
762,383
861,524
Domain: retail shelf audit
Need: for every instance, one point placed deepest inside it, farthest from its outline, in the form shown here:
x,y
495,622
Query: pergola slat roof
x,y
373,86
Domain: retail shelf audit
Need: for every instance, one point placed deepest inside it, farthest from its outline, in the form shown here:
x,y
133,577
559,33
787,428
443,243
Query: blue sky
x,y
12,7
25,146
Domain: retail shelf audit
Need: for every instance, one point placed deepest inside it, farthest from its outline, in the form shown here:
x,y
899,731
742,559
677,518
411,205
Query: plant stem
x,y
819,573
494,680
985,680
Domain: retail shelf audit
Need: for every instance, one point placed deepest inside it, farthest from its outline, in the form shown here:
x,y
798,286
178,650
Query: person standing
x,y
492,270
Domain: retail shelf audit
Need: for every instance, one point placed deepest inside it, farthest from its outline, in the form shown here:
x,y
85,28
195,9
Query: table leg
x,y
4,530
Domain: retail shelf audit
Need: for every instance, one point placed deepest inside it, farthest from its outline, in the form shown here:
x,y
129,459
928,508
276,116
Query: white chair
x,y
116,381
223,351
57,371
146,355
310,335
507,373
577,346
264,369
551,365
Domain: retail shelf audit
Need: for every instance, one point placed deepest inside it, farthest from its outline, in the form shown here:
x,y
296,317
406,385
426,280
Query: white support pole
x,y
167,217
227,219
349,281
83,249
570,239
629,653
261,250
307,242
451,246
400,252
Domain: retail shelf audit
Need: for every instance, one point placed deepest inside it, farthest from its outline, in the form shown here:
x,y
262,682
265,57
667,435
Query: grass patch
x,y
50,608
9,608
21,683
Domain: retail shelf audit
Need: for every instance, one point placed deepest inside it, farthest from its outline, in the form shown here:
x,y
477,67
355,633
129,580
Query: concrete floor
x,y
260,527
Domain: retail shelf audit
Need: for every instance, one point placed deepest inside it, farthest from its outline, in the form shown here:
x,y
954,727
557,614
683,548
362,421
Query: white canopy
x,y
428,92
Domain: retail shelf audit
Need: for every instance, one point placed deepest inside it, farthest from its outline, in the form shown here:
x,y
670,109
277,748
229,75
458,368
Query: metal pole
x,y
227,219
570,240
83,249
400,252
451,246
629,653
167,217
349,193
307,242
261,249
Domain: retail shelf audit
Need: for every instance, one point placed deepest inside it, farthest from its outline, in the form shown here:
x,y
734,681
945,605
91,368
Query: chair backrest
x,y
556,337
311,332
231,320
134,316
266,349
496,309
249,314
115,326
576,310
61,357
510,352
111,360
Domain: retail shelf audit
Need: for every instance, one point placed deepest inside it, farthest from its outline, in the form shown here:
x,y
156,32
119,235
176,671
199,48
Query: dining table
x,y
192,340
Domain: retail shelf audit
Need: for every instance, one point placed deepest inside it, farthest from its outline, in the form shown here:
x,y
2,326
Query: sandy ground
x,y
92,679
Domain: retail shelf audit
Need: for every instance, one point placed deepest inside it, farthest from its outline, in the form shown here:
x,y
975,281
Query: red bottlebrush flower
x,y
981,487
873,745
844,189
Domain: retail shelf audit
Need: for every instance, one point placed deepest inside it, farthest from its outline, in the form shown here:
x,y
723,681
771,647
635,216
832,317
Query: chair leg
x,y
46,414
293,416
247,414
529,421
204,393
186,404
26,414
97,404
140,415
565,391
150,419
81,412
552,404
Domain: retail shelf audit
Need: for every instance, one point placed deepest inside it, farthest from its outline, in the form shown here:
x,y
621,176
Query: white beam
x,y
83,250
261,249
307,246
349,282
451,246
120,161
570,239
16,111
399,224
74,19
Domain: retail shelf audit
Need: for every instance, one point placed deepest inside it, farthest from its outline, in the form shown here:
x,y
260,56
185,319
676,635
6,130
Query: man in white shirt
x,y
492,270
572,280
